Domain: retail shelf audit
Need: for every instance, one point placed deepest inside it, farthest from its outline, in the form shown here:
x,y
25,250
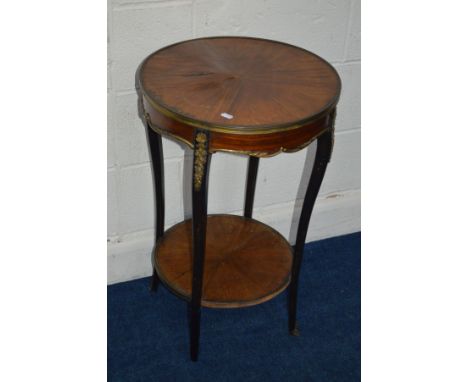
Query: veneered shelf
x,y
246,261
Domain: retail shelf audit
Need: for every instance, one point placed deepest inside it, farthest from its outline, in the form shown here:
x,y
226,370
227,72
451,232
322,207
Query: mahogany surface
x,y
246,262
277,97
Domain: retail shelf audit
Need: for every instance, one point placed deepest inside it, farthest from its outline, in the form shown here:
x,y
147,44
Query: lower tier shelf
x,y
246,262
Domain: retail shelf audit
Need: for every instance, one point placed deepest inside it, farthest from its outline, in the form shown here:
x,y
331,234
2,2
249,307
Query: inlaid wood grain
x,y
246,262
278,97
261,83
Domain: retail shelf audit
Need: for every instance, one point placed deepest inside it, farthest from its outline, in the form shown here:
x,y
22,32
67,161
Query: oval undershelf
x,y
246,261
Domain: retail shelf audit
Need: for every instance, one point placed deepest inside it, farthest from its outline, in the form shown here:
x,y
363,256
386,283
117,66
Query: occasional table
x,y
242,95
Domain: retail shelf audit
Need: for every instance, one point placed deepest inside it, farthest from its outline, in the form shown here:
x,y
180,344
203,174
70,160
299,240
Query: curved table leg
x,y
201,163
322,157
157,160
250,189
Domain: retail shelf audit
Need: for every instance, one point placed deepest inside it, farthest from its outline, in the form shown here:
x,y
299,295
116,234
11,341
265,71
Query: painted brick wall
x,y
136,28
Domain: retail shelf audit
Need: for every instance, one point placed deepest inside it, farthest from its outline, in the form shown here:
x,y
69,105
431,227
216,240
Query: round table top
x,y
239,83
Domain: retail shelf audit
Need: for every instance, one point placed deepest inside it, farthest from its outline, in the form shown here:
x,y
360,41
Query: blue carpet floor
x,y
148,333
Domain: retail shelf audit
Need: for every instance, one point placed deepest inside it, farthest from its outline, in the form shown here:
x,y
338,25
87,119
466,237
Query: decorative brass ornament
x,y
199,159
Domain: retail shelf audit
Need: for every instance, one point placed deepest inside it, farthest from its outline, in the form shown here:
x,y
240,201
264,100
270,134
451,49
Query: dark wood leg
x,y
201,164
157,160
322,157
250,189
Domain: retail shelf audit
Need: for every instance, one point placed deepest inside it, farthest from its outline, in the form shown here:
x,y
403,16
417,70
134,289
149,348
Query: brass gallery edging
x,y
240,130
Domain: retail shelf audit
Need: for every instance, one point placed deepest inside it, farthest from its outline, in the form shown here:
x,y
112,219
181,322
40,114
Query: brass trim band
x,y
239,129
259,154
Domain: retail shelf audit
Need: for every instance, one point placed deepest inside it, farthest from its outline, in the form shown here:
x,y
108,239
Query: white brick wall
x,y
136,28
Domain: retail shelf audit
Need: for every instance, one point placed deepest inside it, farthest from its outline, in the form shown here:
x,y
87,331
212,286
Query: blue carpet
x,y
148,333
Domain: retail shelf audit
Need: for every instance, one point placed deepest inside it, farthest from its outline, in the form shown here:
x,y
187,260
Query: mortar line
x,y
348,29
352,130
141,5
